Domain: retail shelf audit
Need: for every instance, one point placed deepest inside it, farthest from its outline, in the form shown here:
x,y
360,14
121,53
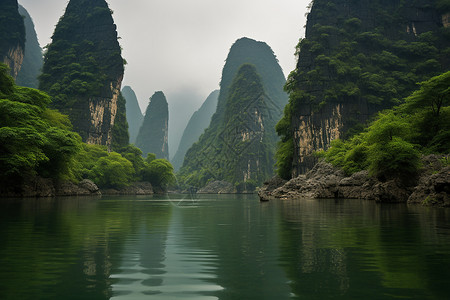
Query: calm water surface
x,y
221,247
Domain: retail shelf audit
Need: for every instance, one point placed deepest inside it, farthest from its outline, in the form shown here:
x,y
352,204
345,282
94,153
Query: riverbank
x,y
431,187
45,187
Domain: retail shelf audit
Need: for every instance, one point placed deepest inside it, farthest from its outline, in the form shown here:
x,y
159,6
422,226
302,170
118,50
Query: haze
x,y
179,47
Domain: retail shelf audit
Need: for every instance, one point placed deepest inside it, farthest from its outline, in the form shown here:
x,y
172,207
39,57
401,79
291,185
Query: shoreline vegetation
x,y
339,130
42,157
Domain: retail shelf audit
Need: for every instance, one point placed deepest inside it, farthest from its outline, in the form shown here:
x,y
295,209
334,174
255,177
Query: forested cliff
x,y
196,126
83,70
215,154
357,58
33,59
153,134
12,36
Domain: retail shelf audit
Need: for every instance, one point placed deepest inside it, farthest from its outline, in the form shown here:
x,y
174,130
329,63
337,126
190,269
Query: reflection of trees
x,y
76,243
244,241
359,250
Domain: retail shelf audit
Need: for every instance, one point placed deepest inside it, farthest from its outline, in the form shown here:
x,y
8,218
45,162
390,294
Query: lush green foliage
x,y
34,140
345,59
83,64
391,146
159,172
38,141
119,169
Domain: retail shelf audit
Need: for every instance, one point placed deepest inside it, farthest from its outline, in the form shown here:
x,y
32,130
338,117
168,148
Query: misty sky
x,y
179,46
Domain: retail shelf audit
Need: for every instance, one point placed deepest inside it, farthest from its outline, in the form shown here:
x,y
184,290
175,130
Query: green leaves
x,y
392,145
159,173
433,94
33,139
113,171
21,151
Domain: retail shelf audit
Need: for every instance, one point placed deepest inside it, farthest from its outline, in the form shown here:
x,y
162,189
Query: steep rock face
x,y
358,58
153,136
197,124
134,113
83,69
248,138
260,55
12,36
119,131
33,59
207,159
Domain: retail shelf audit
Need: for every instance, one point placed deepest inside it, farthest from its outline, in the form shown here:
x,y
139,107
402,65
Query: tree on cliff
x,y
153,134
207,159
83,69
358,57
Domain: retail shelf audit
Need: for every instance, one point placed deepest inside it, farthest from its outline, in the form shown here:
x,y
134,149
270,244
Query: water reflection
x,y
161,262
221,247
355,249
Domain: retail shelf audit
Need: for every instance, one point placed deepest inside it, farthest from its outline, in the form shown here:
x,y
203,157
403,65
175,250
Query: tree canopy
x,y
392,145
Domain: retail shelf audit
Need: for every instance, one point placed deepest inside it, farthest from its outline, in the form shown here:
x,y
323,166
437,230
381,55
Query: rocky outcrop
x,y
153,135
12,36
218,187
136,188
434,185
197,124
33,59
13,59
45,187
326,181
345,69
83,69
83,188
134,113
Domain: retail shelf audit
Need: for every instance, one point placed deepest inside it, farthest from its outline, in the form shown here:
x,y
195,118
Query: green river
x,y
221,247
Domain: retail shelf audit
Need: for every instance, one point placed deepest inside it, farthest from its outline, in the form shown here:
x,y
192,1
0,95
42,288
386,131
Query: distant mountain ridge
x,y
197,124
33,58
134,113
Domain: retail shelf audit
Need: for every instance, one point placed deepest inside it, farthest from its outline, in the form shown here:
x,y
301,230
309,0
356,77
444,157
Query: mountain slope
x,y
153,134
12,36
358,57
33,59
83,69
205,160
134,114
197,124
